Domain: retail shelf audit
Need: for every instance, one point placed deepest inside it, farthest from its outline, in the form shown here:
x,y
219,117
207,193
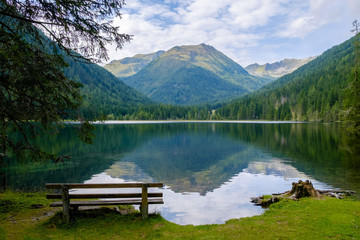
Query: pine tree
x,y
35,95
352,93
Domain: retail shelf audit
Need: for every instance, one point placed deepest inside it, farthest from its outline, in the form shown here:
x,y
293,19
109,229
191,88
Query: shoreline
x,y
22,218
188,121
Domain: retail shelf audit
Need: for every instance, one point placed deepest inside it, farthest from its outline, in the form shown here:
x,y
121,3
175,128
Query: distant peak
x,y
148,54
277,69
203,45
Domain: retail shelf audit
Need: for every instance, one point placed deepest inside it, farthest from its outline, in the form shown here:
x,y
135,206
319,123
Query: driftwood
x,y
299,190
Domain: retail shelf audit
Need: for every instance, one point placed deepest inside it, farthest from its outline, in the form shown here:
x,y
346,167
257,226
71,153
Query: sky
x,y
248,31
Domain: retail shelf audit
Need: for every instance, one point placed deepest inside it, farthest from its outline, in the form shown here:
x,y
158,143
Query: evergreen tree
x,y
35,95
352,94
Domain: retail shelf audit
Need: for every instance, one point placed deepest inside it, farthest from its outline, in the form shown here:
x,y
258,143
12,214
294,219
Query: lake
x,y
210,169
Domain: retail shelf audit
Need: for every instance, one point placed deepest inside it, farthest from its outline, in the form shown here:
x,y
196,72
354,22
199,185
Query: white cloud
x,y
316,14
240,28
248,14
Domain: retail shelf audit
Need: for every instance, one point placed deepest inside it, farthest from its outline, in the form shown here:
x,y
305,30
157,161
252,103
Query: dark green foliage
x,y
352,104
314,92
188,84
84,26
168,112
35,95
104,93
352,93
34,92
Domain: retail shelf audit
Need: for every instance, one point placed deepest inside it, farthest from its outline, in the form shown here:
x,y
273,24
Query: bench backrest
x,y
101,185
68,186
142,198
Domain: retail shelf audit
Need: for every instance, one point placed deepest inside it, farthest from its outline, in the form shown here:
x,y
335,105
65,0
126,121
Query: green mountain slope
x,y
131,65
313,92
209,58
277,69
104,93
193,75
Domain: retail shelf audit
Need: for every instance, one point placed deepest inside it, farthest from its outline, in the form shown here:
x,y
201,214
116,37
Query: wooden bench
x,y
99,199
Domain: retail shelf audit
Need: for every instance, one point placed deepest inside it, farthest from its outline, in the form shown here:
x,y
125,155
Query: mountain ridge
x,y
213,77
313,92
277,69
129,66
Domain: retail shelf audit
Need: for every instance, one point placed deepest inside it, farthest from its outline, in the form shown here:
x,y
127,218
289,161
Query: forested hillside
x,y
314,92
103,92
192,75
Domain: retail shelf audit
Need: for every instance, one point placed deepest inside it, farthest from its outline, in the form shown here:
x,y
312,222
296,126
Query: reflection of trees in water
x,y
324,151
213,153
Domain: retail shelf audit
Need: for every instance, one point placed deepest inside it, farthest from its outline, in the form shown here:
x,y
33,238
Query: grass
x,y
328,218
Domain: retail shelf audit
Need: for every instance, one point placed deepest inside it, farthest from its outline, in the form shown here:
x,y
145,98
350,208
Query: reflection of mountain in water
x,y
129,172
275,167
192,162
196,157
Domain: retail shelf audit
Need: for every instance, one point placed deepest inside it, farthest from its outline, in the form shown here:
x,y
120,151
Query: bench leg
x,y
66,203
144,208
75,208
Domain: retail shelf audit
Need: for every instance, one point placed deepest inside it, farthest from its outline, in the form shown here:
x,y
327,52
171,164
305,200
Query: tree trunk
x,y
303,189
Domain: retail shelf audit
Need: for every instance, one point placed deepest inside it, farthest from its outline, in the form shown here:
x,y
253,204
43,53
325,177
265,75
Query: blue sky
x,y
247,31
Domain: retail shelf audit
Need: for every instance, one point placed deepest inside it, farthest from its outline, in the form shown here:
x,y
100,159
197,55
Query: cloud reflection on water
x,y
231,200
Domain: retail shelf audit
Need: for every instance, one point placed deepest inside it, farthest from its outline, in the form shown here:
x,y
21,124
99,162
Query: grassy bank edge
x,y
27,216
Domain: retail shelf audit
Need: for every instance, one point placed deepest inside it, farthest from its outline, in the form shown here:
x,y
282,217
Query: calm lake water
x,y
210,169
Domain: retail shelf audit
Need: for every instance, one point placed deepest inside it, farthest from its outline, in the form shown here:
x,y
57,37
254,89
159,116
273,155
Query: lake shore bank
x,y
27,216
189,121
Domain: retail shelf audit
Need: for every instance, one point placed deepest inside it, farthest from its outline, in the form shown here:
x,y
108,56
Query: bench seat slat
x,y
102,185
104,203
103,195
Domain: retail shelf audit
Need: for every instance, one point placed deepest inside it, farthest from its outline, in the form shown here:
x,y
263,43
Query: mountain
x,y
194,74
277,69
104,93
131,65
314,92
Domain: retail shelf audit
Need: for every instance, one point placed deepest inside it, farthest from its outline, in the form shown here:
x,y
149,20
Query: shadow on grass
x,y
99,217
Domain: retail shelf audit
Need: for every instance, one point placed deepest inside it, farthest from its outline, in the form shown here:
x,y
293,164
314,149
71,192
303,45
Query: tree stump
x,y
303,189
299,190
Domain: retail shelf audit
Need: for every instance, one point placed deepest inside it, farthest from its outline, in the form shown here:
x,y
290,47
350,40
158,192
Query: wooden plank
x,y
144,202
103,195
104,203
65,203
101,185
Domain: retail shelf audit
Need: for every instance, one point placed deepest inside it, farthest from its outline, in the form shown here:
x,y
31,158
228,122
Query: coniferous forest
x,y
314,92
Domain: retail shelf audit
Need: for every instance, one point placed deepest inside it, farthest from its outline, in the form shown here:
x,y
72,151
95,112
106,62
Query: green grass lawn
x,y
328,218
